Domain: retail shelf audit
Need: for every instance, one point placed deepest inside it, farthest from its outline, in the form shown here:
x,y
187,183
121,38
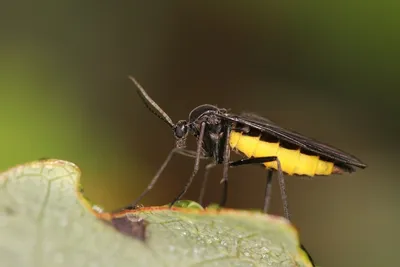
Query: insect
x,y
260,141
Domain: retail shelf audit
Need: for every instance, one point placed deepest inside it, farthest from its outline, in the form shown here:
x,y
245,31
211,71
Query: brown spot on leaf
x,y
8,211
130,225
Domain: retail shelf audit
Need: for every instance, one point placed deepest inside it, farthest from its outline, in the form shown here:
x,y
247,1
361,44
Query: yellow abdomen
x,y
292,161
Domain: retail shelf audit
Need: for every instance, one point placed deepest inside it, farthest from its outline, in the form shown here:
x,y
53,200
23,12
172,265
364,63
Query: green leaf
x,y
187,204
46,221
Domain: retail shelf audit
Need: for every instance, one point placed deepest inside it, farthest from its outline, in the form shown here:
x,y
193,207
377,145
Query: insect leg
x,y
258,160
196,164
268,191
238,163
268,187
184,152
281,179
205,179
226,166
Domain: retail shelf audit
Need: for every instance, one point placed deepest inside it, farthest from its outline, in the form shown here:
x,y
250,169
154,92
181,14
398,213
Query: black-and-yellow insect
x,y
258,139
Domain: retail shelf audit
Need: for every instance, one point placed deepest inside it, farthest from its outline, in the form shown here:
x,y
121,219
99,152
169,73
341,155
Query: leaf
x,y
46,221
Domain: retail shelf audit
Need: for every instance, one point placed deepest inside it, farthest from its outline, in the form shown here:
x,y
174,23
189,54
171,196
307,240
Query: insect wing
x,y
292,137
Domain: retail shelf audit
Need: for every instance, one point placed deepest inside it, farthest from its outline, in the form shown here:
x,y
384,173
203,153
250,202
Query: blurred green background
x,y
327,70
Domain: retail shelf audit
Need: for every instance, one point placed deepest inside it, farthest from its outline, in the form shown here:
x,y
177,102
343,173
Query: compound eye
x,y
180,129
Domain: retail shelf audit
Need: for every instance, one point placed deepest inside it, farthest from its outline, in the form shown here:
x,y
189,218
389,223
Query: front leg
x,y
196,165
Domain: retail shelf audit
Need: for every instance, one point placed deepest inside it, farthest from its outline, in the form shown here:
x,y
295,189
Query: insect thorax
x,y
202,112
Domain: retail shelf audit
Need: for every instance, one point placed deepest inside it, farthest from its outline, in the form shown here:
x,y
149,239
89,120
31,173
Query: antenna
x,y
151,104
